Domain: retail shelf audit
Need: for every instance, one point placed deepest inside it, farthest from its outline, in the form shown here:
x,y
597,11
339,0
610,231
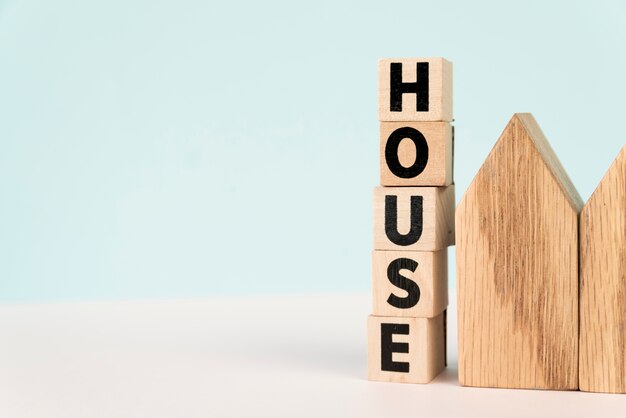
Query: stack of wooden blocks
x,y
413,221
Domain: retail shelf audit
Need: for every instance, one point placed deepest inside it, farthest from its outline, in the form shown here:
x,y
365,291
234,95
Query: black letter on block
x,y
391,220
421,152
388,347
397,87
394,276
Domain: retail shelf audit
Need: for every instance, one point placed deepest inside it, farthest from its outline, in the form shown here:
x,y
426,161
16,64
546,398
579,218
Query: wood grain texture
x,y
437,217
426,355
439,89
603,284
517,267
430,275
438,169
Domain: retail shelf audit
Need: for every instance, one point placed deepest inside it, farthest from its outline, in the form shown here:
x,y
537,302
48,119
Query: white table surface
x,y
295,356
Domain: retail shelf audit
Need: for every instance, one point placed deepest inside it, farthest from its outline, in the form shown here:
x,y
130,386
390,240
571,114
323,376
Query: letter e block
x,y
406,350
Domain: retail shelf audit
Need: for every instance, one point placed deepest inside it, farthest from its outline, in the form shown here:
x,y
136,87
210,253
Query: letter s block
x,y
416,153
406,350
415,89
409,283
413,218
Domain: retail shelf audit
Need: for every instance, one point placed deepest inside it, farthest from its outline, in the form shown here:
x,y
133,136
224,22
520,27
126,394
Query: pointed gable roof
x,y
524,127
617,169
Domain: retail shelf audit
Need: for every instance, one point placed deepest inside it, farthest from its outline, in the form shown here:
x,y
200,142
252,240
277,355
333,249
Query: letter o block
x,y
406,350
416,154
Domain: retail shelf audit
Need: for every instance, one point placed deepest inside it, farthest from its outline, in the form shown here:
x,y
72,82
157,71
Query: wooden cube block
x,y
414,89
517,267
409,283
603,284
406,350
413,218
415,153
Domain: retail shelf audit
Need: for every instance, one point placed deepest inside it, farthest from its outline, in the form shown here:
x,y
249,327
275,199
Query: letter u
x,y
391,220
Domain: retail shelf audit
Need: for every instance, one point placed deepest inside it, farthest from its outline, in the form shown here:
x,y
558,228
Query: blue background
x,y
191,148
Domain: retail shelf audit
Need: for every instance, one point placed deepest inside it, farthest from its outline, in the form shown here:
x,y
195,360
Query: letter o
x,y
421,152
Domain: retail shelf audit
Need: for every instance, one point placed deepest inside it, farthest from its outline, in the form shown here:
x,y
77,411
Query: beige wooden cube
x,y
414,89
415,154
406,350
409,283
413,218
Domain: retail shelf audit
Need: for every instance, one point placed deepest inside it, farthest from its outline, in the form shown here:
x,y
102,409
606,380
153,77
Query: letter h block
x,y
414,89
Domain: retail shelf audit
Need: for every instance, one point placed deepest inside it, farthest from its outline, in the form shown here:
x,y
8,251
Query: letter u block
x,y
406,350
415,89
413,218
